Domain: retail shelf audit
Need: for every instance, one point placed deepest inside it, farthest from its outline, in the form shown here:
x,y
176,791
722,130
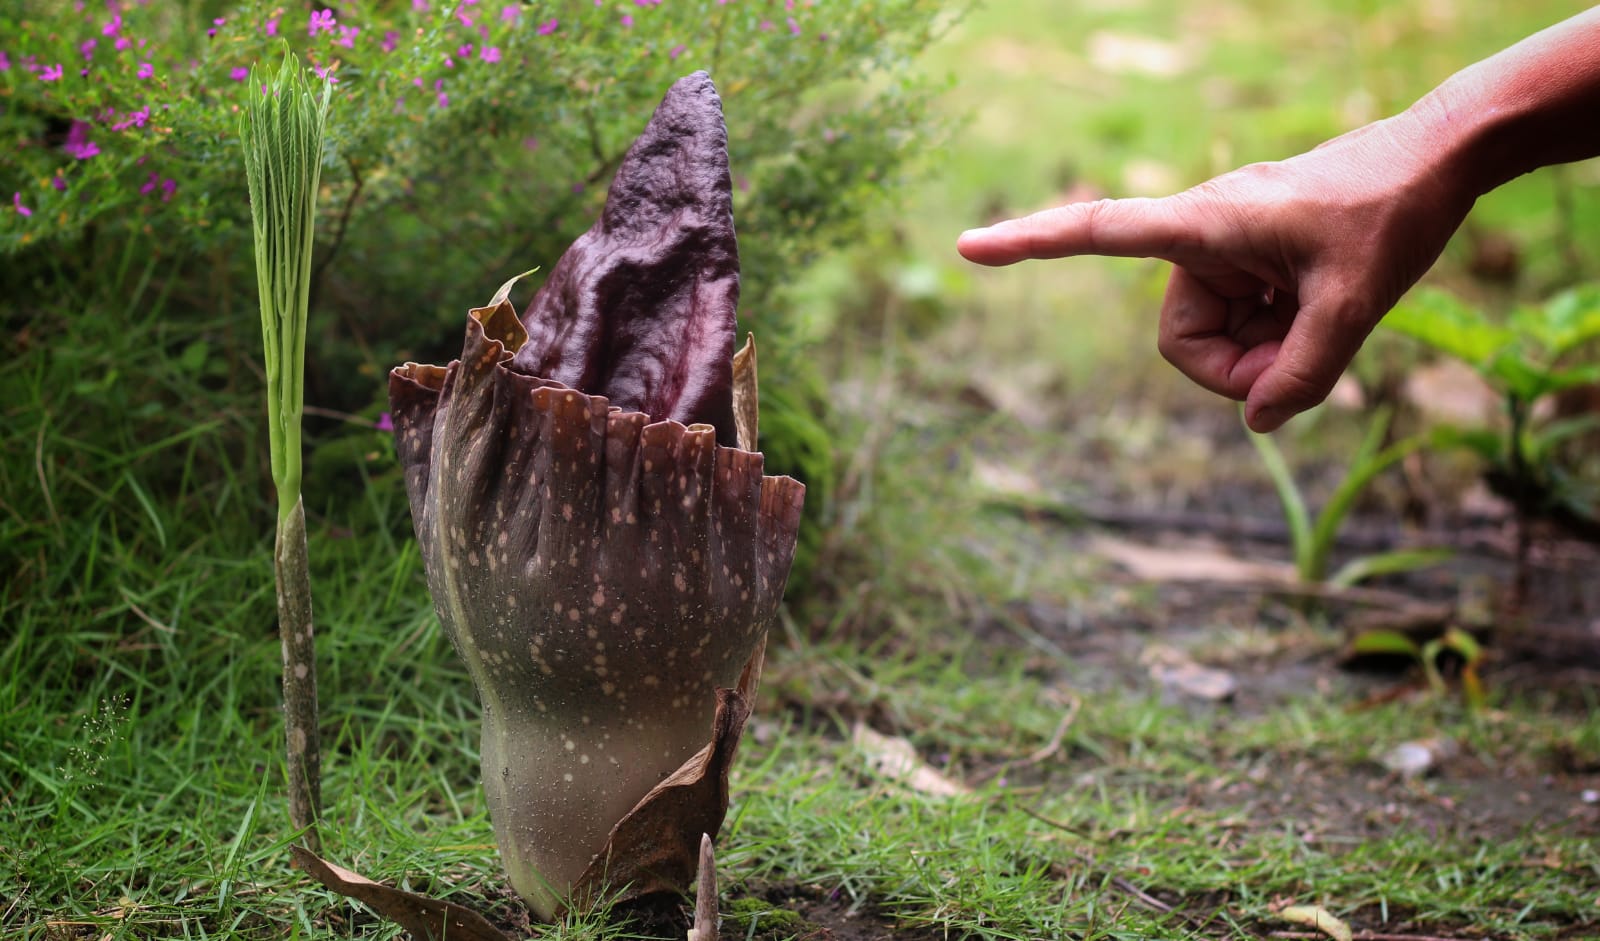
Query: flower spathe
x,y
607,573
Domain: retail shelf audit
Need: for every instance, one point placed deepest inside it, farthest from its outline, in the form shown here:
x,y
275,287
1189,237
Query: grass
x,y
140,735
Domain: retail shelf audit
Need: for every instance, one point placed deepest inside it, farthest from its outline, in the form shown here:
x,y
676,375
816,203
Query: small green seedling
x,y
1386,642
1313,539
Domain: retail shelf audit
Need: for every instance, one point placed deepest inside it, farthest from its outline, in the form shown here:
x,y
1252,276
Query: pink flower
x,y
168,187
214,24
465,51
5,62
239,73
325,72
137,118
87,48
548,27
391,39
272,27
464,18
385,422
51,73
321,20
150,184
113,26
146,70
511,14
490,54
794,28
59,182
347,36
78,145
676,51
627,21
419,5
122,43
444,100
16,200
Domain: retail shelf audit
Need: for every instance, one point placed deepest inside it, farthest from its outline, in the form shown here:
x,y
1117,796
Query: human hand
x,y
1281,270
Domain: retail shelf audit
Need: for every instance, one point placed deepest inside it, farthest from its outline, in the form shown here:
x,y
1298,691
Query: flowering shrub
x,y
475,135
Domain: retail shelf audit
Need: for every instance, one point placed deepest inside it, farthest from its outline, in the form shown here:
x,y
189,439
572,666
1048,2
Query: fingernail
x,y
978,231
1269,418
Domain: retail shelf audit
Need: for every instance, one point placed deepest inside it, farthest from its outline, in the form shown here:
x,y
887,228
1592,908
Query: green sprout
x,y
281,131
1313,537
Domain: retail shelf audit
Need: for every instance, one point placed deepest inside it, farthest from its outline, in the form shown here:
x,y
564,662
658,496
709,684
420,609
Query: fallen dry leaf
x,y
425,918
1315,916
897,759
1197,562
1174,671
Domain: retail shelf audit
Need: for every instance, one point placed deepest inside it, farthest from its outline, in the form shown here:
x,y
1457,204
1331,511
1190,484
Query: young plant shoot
x,y
601,544
281,131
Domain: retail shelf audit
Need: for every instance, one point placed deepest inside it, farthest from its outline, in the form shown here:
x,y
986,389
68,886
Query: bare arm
x,y
1283,269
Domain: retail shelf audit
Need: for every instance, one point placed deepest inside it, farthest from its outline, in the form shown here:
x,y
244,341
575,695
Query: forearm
x,y
1534,104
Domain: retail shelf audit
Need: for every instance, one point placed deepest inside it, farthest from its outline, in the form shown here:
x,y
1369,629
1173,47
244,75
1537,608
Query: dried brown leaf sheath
x,y
604,573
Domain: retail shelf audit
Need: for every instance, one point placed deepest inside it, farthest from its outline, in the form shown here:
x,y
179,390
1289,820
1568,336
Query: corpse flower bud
x,y
602,558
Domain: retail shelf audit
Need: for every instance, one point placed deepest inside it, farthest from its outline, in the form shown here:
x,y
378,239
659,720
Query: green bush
x,y
470,141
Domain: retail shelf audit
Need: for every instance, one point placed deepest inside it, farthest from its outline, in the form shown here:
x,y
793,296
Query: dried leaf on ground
x,y
897,759
1315,916
1193,562
425,918
1175,672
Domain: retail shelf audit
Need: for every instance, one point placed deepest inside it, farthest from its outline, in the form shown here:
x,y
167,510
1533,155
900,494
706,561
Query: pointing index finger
x,y
1133,228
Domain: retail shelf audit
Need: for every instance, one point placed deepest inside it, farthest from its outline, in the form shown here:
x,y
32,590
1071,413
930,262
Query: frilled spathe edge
x,y
585,433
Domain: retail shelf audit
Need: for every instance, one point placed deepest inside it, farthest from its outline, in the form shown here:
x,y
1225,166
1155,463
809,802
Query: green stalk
x,y
281,132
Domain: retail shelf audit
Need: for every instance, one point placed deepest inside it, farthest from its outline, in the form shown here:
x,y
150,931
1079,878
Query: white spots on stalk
x,y
301,671
599,659
694,556
616,514
583,759
772,557
632,519
651,680
502,539
599,598
688,501
569,744
573,614
744,595
472,558
608,687
566,508
612,759
567,777
511,601
649,465
558,606
679,582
